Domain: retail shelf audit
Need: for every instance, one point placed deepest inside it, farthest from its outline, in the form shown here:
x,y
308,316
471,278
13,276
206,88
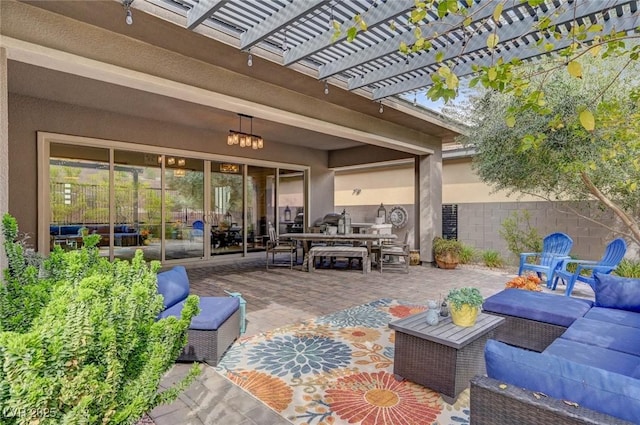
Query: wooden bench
x,y
359,252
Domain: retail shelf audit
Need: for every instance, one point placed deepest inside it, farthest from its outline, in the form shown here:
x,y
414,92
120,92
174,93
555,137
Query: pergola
x,y
301,35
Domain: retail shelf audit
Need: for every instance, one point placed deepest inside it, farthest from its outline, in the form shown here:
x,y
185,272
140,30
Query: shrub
x,y
89,351
492,258
468,254
443,246
519,235
628,268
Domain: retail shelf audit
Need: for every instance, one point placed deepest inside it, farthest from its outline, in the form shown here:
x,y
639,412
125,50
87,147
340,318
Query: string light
x,y
381,110
250,60
284,43
415,98
128,18
326,88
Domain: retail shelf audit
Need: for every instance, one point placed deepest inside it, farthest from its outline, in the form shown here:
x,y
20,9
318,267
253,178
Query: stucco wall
x,y
29,115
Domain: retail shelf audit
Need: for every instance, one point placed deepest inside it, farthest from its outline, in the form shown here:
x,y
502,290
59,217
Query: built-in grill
x,y
298,224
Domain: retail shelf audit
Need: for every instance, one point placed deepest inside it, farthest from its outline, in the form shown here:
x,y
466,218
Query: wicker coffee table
x,y
443,357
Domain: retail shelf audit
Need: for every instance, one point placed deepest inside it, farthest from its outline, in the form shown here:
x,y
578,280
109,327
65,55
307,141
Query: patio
x,y
281,297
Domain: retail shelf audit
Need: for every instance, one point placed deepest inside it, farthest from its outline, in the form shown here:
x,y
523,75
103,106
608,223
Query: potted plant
x,y
447,252
464,305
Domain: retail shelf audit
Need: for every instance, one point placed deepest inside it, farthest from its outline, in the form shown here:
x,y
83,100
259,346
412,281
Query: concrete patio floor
x,y
281,297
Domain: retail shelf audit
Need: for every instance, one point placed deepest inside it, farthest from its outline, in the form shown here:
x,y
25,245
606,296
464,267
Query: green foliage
x,y
549,153
468,254
446,246
467,295
89,350
492,258
519,235
628,268
24,294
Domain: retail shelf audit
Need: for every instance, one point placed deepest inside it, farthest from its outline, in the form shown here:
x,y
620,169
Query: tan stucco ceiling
x,y
43,83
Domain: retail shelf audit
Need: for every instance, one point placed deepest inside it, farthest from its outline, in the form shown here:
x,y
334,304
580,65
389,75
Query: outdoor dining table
x,y
361,238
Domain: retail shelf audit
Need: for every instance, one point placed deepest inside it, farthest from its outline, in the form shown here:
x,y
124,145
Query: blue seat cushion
x,y
173,285
591,355
591,387
538,306
613,315
605,334
617,292
214,311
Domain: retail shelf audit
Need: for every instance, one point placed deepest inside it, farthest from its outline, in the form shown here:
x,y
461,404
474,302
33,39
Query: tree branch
x,y
628,221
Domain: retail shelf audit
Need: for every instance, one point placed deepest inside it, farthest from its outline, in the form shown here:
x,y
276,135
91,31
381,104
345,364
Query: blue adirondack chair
x,y
555,248
198,229
613,254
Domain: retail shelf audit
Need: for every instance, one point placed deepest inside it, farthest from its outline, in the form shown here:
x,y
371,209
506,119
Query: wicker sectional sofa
x,y
213,330
562,360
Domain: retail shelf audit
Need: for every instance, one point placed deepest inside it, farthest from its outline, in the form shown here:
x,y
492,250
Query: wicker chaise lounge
x,y
213,330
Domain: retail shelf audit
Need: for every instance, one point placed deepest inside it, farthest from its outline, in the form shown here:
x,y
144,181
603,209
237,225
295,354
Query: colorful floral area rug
x,y
338,369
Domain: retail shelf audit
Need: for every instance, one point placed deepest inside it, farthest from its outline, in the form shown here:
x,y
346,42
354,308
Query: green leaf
x,y
452,81
492,41
575,69
497,12
467,21
351,34
492,74
439,56
444,71
511,121
587,120
595,28
404,48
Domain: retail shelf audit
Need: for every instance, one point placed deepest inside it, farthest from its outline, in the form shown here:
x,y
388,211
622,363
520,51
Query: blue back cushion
x,y
597,389
539,306
617,292
173,285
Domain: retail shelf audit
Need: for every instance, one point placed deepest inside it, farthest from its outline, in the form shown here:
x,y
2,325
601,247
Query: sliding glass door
x,y
174,207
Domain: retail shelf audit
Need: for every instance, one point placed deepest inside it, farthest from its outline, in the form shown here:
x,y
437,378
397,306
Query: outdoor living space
x,y
179,166
280,298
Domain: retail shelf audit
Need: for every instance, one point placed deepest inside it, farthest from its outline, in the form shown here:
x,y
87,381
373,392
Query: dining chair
x,y
394,255
613,254
276,246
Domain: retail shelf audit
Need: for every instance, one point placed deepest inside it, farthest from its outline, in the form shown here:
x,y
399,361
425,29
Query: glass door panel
x,y
260,205
291,200
184,207
78,195
138,204
226,223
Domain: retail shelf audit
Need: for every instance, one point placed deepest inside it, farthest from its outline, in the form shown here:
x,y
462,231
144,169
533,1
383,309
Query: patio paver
x,y
281,297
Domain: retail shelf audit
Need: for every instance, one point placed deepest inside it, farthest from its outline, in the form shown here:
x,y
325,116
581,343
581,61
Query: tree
x,y
564,32
551,153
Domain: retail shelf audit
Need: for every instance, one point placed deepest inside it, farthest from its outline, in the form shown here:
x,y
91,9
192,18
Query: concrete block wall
x,y
479,225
